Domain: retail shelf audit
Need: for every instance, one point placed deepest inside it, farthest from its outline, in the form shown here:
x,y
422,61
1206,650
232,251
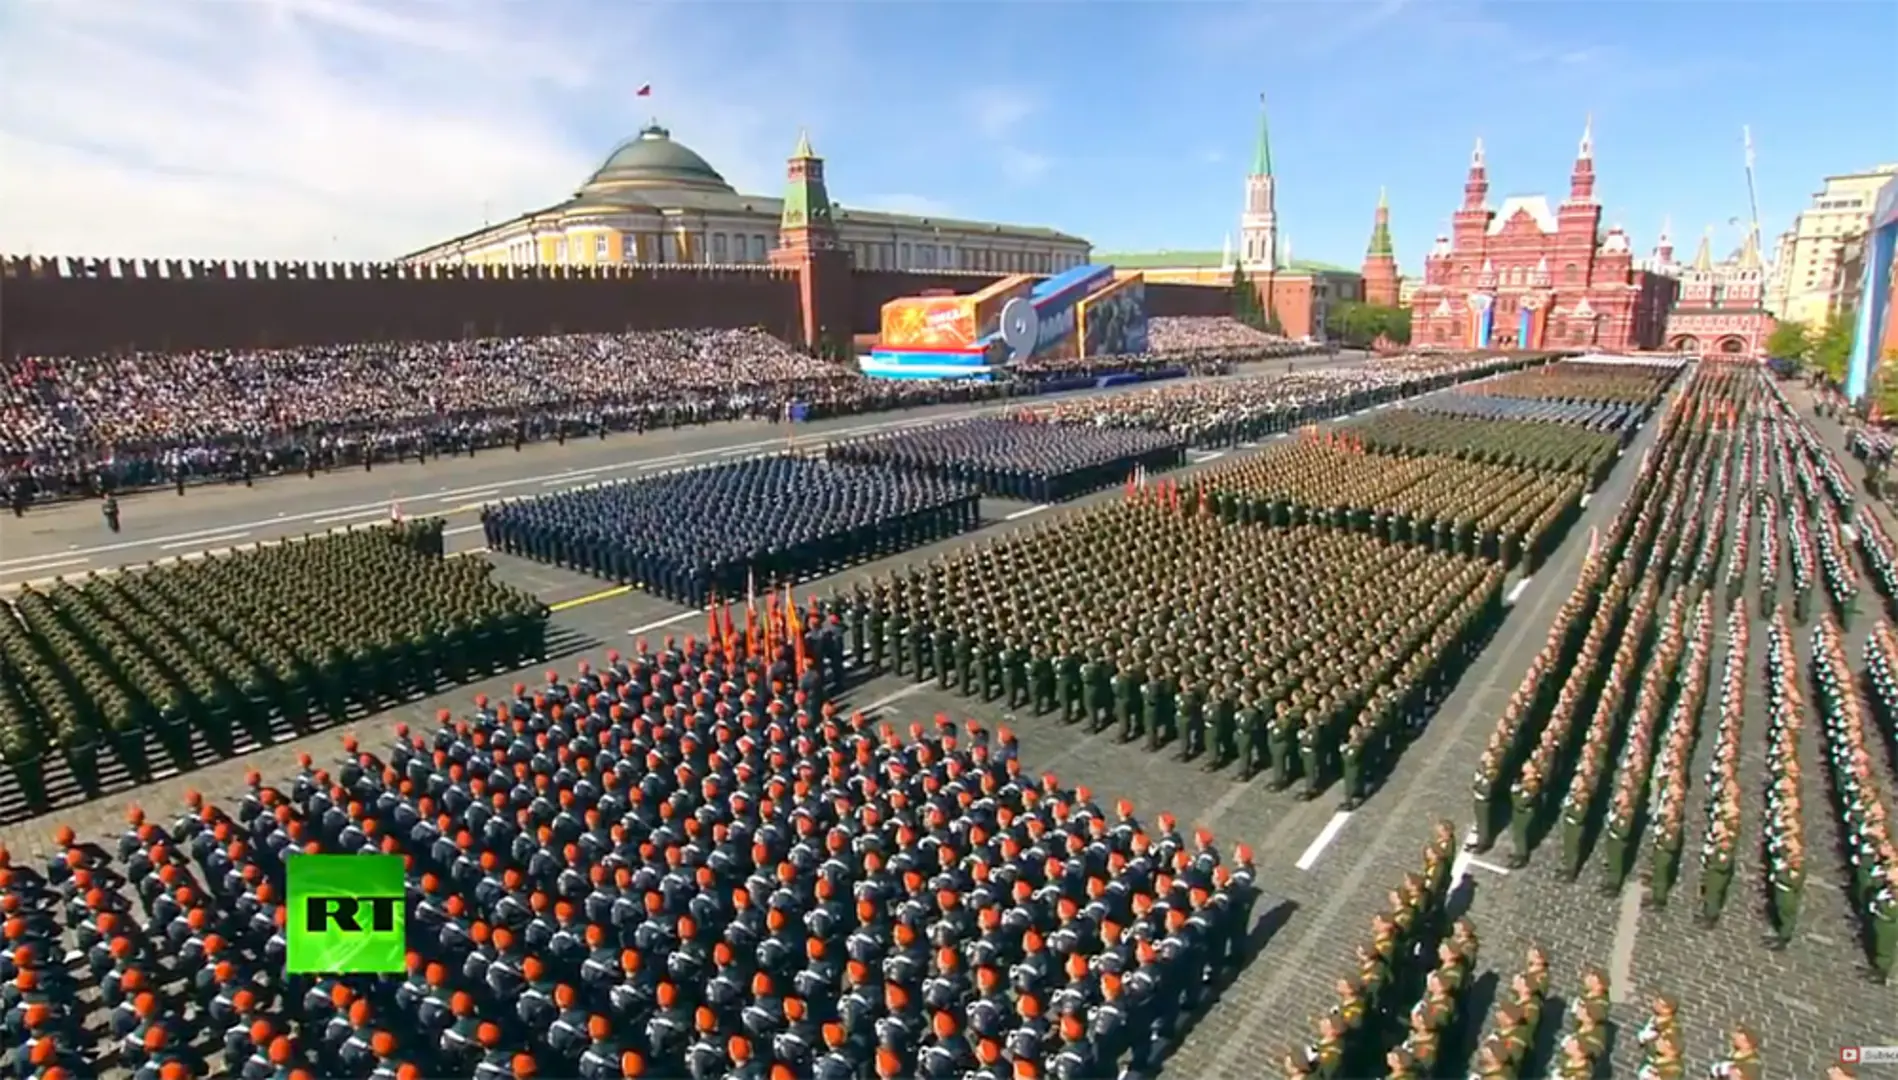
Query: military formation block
x,y
1018,459
699,533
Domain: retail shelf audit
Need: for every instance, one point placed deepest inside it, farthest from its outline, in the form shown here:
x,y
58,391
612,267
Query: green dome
x,y
652,159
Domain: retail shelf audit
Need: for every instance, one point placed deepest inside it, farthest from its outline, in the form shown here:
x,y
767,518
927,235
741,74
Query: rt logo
x,y
348,915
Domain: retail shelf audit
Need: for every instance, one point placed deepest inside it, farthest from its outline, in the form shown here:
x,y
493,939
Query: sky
x,y
357,129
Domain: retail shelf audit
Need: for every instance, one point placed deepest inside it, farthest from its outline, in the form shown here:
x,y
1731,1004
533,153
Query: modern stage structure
x,y
1875,294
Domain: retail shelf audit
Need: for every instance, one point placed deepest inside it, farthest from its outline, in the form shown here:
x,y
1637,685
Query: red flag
x,y
1129,493
731,636
645,90
712,635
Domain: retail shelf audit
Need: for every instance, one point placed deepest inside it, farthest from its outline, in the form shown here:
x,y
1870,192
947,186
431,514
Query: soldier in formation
x,y
1406,941
657,868
691,535
1257,676
1015,459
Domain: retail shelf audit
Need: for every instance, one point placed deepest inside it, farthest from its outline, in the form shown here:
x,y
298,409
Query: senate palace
x,y
654,200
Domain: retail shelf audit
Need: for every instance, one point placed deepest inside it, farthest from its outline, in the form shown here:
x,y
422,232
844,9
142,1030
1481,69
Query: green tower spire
x,y
1262,156
1381,230
806,201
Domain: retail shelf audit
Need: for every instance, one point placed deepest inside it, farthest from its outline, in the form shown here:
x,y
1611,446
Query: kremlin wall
x,y
1527,275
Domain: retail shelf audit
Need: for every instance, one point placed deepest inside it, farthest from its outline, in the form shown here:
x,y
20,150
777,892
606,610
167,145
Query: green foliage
x,y
1790,340
1357,324
1245,300
1832,346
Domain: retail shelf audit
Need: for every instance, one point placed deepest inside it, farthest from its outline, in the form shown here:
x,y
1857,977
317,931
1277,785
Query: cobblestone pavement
x,y
1806,1001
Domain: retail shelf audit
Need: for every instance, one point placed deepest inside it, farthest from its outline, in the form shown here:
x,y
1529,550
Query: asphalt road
x,y
71,538
1328,868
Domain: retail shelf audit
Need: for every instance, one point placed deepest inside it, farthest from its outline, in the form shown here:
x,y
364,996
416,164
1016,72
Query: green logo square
x,y
348,915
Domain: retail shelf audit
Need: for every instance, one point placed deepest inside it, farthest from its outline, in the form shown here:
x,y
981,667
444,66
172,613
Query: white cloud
x,y
1023,166
324,128
996,112
919,205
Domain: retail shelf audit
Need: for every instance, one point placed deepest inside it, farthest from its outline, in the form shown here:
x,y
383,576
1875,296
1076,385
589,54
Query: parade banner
x,y
987,304
929,322
1113,321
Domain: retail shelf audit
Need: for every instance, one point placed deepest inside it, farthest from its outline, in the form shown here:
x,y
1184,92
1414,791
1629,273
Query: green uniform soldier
x,y
1311,751
941,656
1014,673
1252,749
1663,861
1512,1038
1716,874
1789,886
1068,679
1126,708
962,680
1192,708
874,626
1482,800
1094,693
1882,913
1151,707
1743,1057
856,617
916,648
1041,679
1351,764
1225,716
1282,743
1574,833
1522,814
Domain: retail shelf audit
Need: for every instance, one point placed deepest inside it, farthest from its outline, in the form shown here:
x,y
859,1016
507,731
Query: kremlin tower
x,y
1380,260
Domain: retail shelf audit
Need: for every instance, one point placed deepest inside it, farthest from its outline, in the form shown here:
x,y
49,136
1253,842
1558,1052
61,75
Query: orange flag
x,y
712,635
754,644
773,624
730,636
794,629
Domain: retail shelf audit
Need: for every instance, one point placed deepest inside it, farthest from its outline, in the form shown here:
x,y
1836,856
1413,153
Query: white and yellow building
x,y
1806,285
656,201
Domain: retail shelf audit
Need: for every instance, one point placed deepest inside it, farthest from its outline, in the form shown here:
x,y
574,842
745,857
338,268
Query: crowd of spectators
x,y
73,425
1175,334
87,425
1243,409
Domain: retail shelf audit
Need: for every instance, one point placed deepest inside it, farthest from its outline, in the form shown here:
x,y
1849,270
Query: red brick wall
x,y
75,306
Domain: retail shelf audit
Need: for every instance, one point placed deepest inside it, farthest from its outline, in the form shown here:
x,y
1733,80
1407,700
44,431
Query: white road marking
x,y
357,515
1851,534
1460,866
674,620
445,494
51,563
1515,593
1585,499
1248,446
471,495
1035,509
196,542
1204,458
460,529
891,699
1324,838
1621,954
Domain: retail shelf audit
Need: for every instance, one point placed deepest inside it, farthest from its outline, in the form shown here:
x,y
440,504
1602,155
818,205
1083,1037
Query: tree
x,y
1790,340
1832,346
1397,325
1245,300
1357,325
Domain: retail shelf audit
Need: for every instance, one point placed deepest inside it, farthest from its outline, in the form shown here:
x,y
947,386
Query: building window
x,y
903,255
629,247
668,248
758,248
560,251
719,254
599,248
